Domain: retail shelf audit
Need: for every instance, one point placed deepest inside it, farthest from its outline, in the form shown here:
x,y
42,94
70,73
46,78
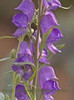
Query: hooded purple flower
x,y
24,55
54,36
49,20
52,4
20,93
45,74
21,20
28,8
46,80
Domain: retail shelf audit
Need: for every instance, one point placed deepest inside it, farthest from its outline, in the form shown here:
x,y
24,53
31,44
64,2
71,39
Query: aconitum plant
x,y
33,77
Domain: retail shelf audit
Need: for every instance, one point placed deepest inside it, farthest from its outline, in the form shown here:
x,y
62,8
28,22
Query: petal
x,y
44,53
55,35
52,48
15,68
50,87
35,34
20,31
20,20
25,58
32,47
46,73
53,4
45,3
44,60
48,21
20,93
28,8
47,97
24,48
28,72
20,70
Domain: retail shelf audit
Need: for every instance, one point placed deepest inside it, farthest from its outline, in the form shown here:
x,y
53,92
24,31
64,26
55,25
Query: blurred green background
x,y
63,62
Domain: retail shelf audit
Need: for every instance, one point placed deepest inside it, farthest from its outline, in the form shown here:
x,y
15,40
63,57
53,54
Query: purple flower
x,y
54,36
20,93
52,4
49,20
21,20
45,74
28,8
24,55
47,82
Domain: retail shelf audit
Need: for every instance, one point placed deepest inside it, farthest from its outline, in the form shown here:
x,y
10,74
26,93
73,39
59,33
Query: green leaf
x,y
67,7
8,72
49,53
44,38
28,90
61,46
34,73
4,59
7,37
24,63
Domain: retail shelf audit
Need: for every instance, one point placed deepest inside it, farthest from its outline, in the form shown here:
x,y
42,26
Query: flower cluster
x,y
46,75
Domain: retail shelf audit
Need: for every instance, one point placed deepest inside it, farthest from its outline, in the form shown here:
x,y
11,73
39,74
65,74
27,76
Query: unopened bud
x,y
18,78
13,53
7,97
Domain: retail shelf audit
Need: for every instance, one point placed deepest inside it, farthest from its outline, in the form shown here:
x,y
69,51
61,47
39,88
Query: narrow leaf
x,y
4,59
61,46
67,7
6,37
34,73
24,63
8,72
44,38
28,90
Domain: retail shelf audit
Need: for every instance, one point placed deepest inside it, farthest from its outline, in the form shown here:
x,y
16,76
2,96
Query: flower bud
x,y
13,53
7,97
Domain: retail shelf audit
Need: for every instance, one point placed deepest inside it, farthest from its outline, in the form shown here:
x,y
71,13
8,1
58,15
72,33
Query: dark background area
x,y
63,63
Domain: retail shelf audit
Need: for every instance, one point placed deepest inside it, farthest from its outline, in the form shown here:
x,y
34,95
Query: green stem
x,y
14,73
37,47
7,37
14,85
20,39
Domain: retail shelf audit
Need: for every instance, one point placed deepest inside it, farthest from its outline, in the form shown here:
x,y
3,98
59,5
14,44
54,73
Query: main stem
x,y
37,45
